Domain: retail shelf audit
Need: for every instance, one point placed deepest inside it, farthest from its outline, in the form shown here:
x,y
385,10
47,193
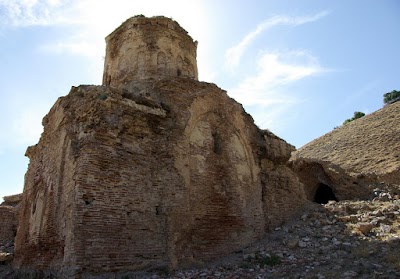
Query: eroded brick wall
x,y
8,223
283,194
154,177
142,48
45,221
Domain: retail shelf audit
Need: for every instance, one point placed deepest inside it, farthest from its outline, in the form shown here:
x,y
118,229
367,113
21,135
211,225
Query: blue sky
x,y
300,68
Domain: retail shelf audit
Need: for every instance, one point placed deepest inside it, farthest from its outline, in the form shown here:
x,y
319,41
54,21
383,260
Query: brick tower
x,y
143,48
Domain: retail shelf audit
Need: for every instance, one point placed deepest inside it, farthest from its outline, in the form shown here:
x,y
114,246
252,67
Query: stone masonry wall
x,y
282,192
47,207
144,48
166,173
13,200
8,223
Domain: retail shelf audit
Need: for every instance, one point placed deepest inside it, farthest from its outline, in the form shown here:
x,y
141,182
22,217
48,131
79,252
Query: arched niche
x,y
161,63
179,66
141,63
220,177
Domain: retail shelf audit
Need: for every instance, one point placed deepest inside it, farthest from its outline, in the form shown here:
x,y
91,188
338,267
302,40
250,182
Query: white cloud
x,y
31,12
92,20
274,71
266,94
85,23
234,54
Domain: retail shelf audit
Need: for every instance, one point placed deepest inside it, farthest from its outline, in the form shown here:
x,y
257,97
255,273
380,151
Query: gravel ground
x,y
346,239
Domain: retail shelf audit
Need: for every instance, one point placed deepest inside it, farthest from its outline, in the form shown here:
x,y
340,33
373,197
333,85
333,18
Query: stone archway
x,y
216,190
222,186
161,63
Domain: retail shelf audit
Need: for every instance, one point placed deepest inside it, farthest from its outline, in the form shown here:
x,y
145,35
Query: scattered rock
x,y
6,257
330,251
302,244
292,243
365,228
350,274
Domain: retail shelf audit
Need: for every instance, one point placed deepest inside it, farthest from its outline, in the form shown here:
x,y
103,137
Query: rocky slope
x,y
370,144
354,159
347,239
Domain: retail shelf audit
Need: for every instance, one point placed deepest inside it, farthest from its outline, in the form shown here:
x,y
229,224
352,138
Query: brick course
x,y
8,223
154,172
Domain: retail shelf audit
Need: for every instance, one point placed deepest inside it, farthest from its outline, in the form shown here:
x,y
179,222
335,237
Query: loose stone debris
x,y
346,239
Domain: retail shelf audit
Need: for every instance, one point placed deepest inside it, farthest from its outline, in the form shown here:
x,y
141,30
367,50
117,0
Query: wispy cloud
x,y
274,71
84,24
234,54
32,12
96,19
267,94
92,20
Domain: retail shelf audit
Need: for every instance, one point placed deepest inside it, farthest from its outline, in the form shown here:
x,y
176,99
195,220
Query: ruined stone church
x,y
152,168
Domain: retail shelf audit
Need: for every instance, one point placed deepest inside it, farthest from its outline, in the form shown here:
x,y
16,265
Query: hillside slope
x,y
354,160
370,144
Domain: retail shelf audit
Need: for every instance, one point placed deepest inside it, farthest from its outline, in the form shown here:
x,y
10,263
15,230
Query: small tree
x,y
357,114
391,97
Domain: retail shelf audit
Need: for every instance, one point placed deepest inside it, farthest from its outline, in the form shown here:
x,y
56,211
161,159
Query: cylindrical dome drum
x,y
143,48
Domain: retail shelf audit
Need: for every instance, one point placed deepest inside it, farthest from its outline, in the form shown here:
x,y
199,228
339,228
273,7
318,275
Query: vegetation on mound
x,y
391,97
357,114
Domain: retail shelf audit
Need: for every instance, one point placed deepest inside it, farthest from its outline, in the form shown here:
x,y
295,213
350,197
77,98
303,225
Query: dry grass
x,y
370,144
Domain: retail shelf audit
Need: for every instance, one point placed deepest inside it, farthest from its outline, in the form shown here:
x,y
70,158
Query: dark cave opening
x,y
324,194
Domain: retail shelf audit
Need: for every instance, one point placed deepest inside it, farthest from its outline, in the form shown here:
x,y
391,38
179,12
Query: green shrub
x,y
357,114
391,97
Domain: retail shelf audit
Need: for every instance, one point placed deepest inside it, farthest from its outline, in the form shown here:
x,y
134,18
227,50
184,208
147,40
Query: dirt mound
x,y
370,144
352,160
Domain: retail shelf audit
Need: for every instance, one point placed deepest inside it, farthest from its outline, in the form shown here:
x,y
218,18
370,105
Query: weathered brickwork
x,y
117,184
9,217
13,200
49,199
282,192
143,48
8,223
156,172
